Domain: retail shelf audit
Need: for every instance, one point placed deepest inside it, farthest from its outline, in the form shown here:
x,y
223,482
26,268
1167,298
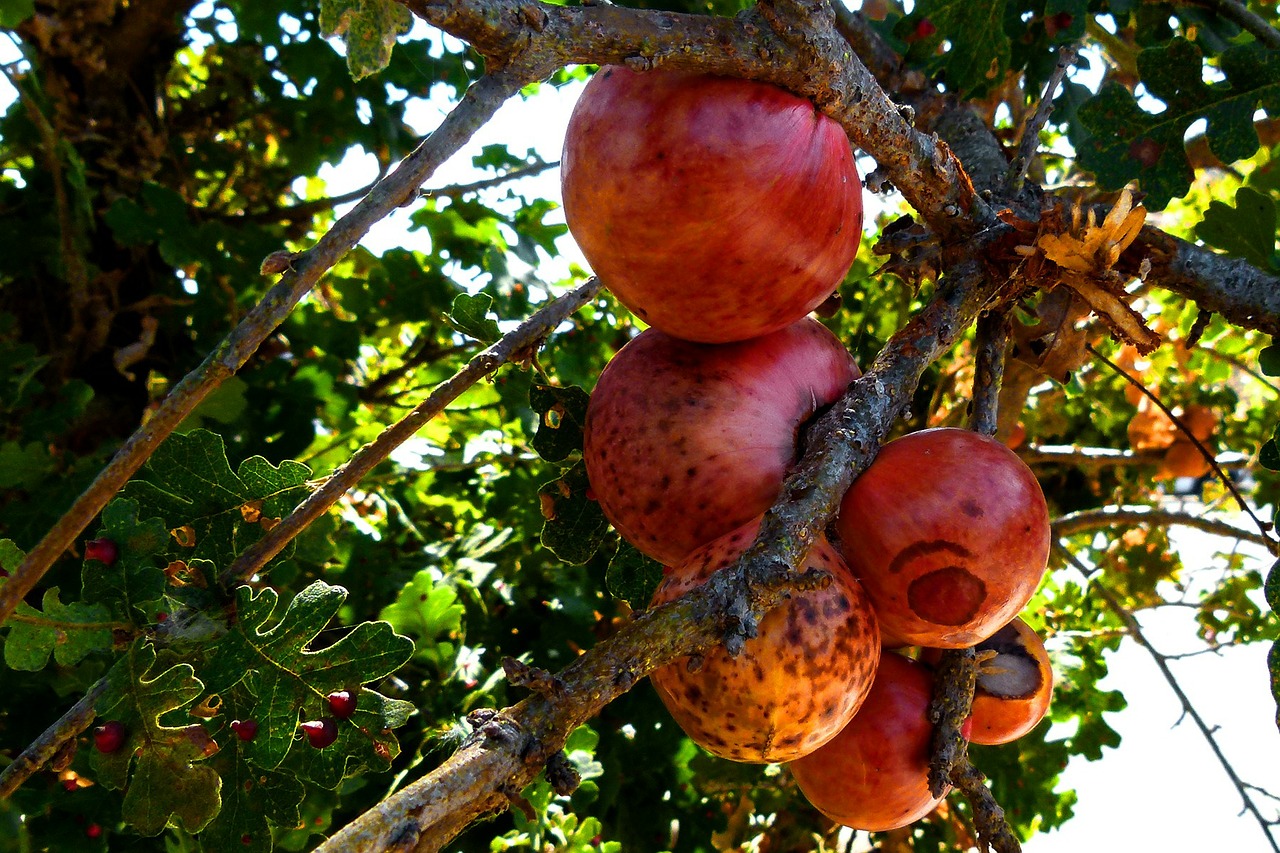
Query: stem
x,y
1239,14
992,341
515,343
477,106
1030,140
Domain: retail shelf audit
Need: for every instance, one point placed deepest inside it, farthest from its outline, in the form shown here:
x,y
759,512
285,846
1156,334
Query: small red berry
x,y
110,736
245,729
923,29
103,550
93,831
162,616
321,733
342,703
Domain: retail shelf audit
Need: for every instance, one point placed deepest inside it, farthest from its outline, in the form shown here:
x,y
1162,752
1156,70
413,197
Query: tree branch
x,y
1244,295
1238,13
44,748
992,341
477,106
1117,516
794,45
520,341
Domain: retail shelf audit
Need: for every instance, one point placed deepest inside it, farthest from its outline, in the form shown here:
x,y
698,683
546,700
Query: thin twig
x,y
477,106
42,749
516,343
1134,630
459,190
1030,139
992,341
1239,14
1098,519
1273,545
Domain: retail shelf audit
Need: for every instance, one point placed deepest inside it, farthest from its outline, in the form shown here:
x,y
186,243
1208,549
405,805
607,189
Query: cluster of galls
x,y
723,211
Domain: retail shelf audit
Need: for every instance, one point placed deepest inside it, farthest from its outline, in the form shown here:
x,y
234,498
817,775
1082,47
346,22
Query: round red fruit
x,y
717,209
796,684
110,736
686,442
320,733
874,774
949,533
342,704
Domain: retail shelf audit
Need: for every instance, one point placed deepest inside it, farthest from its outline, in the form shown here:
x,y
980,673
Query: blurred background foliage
x,y
154,154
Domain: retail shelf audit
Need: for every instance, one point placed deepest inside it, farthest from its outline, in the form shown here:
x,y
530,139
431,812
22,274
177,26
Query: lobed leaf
x,y
1126,142
68,632
368,28
216,513
1247,230
168,779
562,413
290,681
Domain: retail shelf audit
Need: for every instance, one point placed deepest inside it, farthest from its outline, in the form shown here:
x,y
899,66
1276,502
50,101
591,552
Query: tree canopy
x,y
251,471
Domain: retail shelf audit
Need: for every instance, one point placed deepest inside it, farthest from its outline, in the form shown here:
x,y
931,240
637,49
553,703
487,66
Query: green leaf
x,y
134,579
1126,142
67,631
290,681
562,412
369,29
470,316
574,525
1273,664
167,781
189,483
1269,455
427,611
1272,587
10,556
1269,360
14,12
980,47
632,576
23,466
252,798
1247,230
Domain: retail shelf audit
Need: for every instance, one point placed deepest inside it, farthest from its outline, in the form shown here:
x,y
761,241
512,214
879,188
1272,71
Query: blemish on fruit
x,y
947,596
916,550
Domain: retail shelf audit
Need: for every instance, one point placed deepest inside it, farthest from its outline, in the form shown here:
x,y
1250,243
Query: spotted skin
x,y
795,685
685,442
715,208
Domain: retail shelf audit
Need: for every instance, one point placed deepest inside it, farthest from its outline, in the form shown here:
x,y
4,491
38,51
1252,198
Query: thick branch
x,y
793,45
516,343
476,107
1244,295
